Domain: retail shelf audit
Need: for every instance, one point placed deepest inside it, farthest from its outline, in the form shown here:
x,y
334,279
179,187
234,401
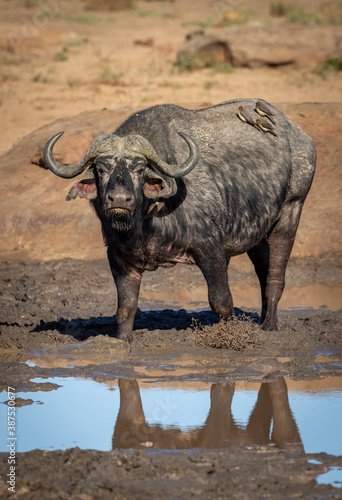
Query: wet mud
x,y
161,418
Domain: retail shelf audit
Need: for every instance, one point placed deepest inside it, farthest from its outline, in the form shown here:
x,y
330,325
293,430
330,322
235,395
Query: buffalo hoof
x,y
269,326
127,337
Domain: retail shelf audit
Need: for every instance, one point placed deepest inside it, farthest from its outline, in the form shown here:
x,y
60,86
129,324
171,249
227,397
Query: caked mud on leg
x,y
280,242
127,281
216,275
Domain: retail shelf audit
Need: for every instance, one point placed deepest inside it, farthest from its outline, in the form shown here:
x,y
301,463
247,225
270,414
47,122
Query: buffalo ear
x,y
157,186
85,188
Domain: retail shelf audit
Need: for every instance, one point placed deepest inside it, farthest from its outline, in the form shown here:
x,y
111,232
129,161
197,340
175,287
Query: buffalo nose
x,y
119,199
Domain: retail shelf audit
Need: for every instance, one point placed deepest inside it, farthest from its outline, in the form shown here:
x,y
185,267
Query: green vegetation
x,y
331,13
207,23
78,41
298,15
222,67
228,18
172,85
301,79
209,84
328,14
40,77
7,59
61,56
331,65
152,13
87,19
108,75
192,62
155,69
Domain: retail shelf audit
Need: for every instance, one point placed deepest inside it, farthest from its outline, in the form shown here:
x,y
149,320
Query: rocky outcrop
x,y
255,46
37,222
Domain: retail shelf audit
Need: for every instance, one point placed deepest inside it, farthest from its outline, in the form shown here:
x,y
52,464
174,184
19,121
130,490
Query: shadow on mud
x,y
166,319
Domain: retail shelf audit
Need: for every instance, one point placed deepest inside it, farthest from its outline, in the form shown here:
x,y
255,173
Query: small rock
x,y
147,444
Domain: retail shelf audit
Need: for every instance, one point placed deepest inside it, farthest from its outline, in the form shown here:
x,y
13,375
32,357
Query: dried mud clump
x,y
235,334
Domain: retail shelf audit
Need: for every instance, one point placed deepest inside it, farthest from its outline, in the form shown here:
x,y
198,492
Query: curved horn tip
x,y
184,135
56,137
188,139
52,141
59,134
192,145
65,171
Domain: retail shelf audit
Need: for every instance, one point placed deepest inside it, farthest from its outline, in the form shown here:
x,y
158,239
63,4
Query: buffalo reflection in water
x,y
220,429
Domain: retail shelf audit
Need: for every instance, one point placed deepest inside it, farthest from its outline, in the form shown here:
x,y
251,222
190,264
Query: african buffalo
x,y
241,189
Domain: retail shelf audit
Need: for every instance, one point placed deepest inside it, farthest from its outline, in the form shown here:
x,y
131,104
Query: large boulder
x,y
201,49
37,223
254,46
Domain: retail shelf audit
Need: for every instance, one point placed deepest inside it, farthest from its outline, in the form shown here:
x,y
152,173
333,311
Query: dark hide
x,y
245,195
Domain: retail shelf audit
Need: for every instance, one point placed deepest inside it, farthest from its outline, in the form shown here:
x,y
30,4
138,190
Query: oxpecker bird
x,y
245,116
265,126
263,110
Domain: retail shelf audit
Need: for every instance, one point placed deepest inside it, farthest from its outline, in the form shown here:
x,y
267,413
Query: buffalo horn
x,y
131,144
174,171
101,143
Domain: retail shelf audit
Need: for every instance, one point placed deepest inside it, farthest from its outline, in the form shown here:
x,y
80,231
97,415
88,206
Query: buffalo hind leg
x,y
280,241
127,280
214,269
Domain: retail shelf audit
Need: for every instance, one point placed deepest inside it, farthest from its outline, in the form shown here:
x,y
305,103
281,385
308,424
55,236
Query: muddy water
x,y
333,477
316,295
295,415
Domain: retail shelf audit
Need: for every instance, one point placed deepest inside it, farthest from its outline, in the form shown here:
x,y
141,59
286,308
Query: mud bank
x,y
271,473
60,302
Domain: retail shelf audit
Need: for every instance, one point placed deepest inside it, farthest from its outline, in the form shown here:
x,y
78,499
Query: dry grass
x,y
236,333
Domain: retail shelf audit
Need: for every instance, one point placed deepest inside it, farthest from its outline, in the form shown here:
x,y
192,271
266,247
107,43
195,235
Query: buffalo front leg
x,y
214,269
127,280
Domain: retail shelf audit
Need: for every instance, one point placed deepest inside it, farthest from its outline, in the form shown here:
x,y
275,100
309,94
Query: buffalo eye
x,y
139,171
101,170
